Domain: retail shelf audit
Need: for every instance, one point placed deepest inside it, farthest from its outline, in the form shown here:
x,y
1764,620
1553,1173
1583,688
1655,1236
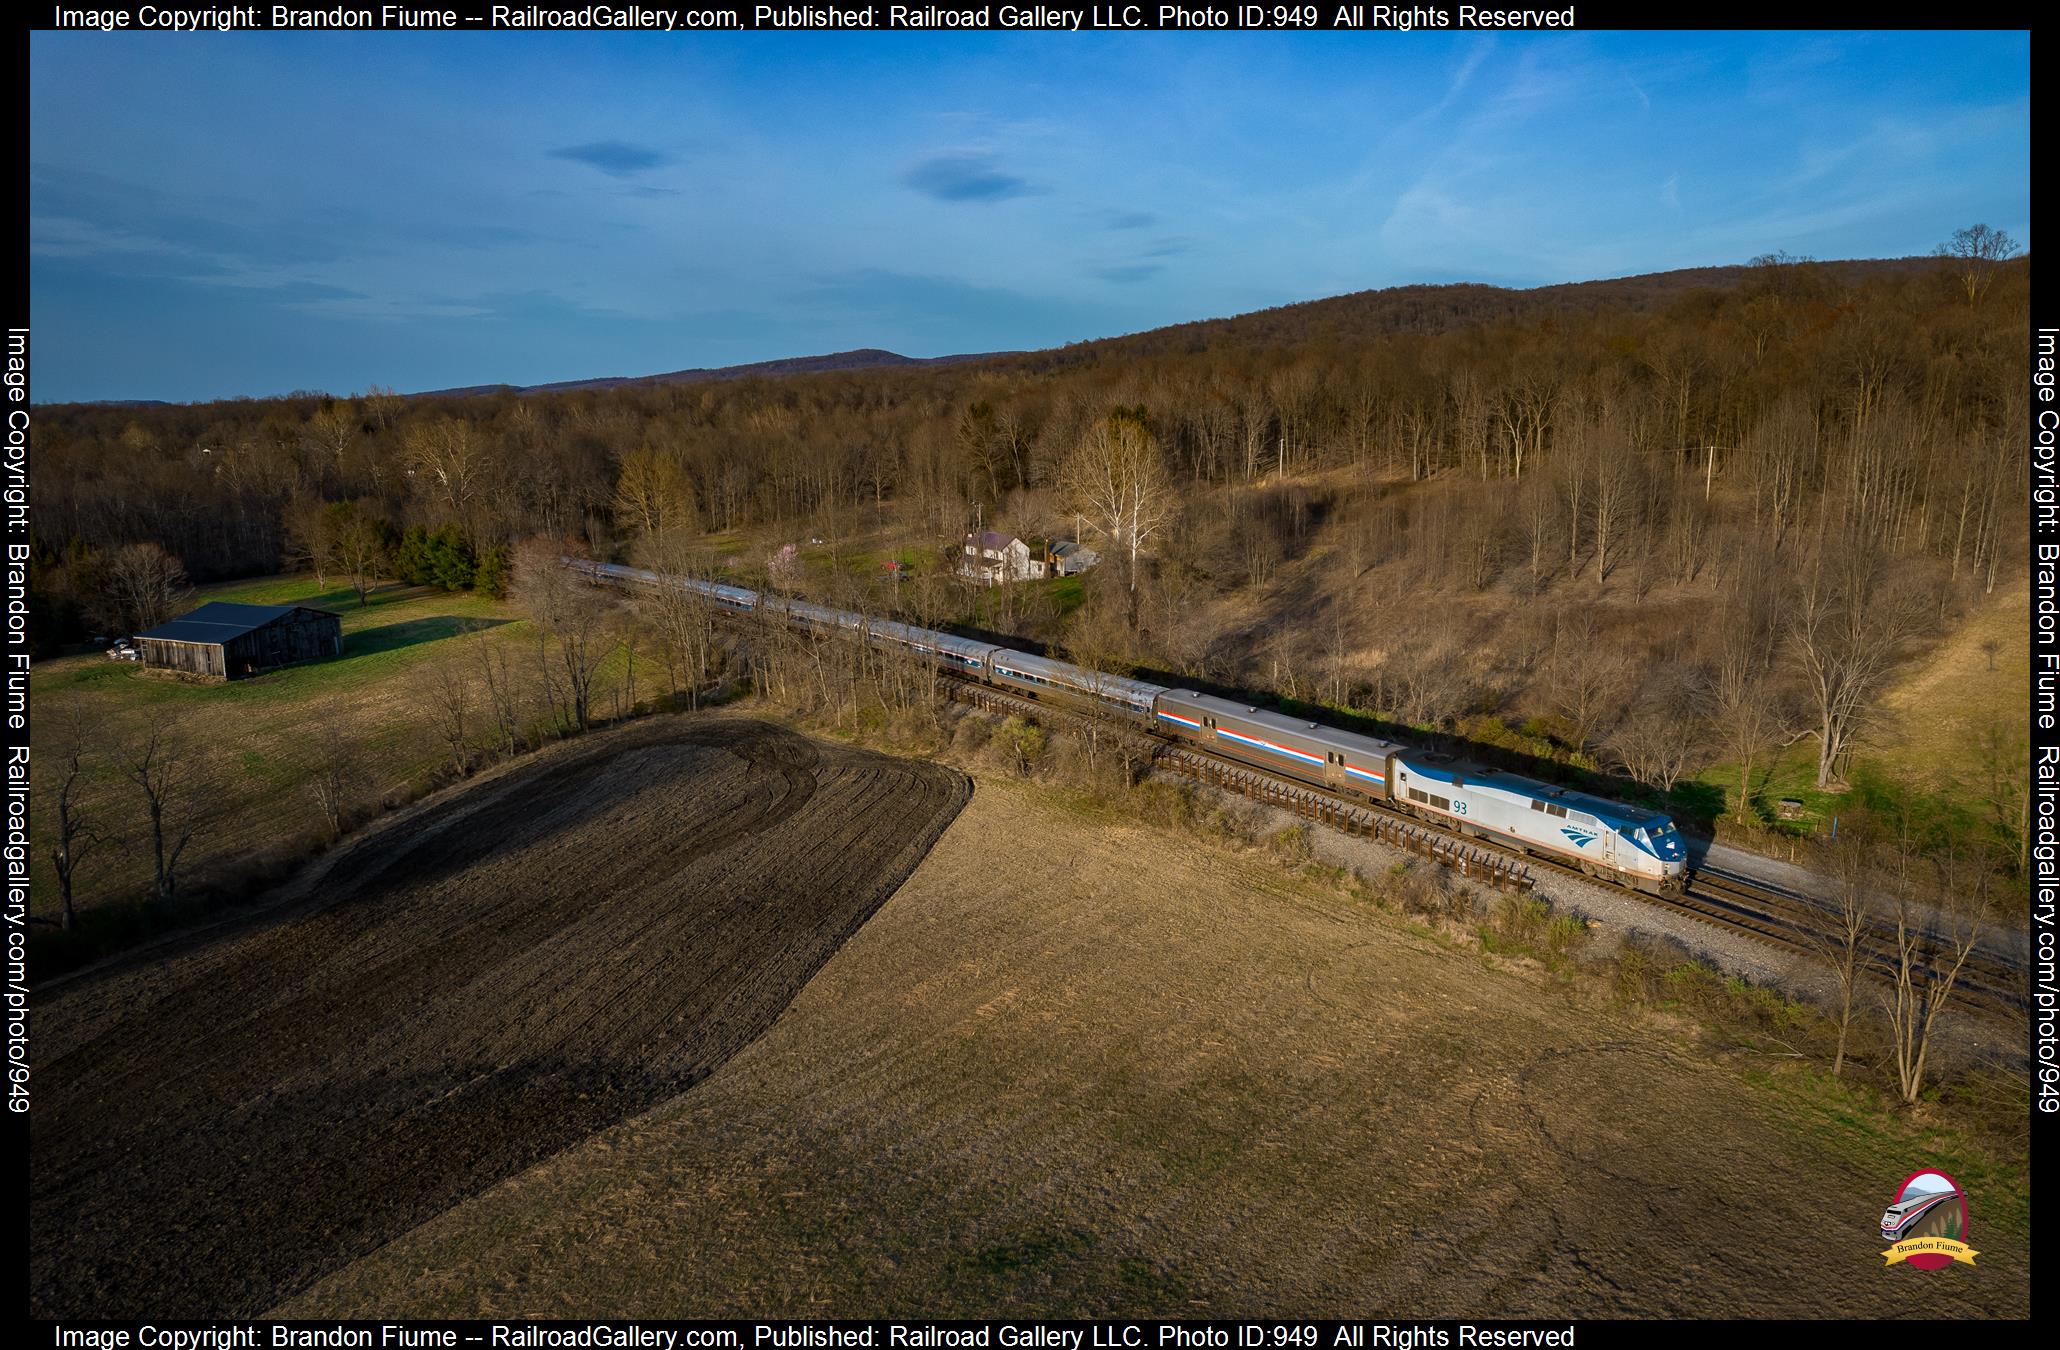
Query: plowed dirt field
x,y
480,983
1080,1067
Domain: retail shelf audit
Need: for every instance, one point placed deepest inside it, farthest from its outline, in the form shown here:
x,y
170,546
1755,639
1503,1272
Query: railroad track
x,y
1811,923
1784,920
1490,867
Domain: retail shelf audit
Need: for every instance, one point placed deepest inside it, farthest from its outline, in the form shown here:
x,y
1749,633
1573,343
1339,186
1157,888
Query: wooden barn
x,y
223,641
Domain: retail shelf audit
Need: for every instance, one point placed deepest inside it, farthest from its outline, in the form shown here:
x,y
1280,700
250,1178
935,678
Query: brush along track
x,y
468,989
1788,922
1766,915
1340,813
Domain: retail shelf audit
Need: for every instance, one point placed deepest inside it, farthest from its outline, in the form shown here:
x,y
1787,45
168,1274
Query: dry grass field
x,y
1080,1067
1981,673
479,982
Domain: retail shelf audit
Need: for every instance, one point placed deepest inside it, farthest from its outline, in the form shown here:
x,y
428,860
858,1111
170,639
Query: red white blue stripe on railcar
x,y
1243,739
1269,745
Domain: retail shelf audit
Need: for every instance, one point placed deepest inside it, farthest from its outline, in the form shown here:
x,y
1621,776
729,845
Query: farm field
x,y
479,982
256,742
1080,1067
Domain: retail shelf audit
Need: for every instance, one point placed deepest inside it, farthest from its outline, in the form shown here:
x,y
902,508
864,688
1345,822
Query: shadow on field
x,y
412,632
463,993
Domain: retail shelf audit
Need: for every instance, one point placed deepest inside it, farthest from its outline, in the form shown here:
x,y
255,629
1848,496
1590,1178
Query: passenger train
x,y
1626,844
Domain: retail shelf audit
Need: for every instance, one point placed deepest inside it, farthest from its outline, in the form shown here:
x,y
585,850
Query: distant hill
x,y
1355,317
866,358
1364,315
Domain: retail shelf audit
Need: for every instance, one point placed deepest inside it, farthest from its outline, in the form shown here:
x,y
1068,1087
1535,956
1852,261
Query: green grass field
x,y
391,634
254,744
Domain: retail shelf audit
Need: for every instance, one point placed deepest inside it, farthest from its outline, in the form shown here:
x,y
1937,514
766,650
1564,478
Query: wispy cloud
x,y
1475,55
832,206
966,178
1129,220
617,159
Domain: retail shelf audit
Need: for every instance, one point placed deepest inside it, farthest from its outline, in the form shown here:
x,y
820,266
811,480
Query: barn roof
x,y
221,621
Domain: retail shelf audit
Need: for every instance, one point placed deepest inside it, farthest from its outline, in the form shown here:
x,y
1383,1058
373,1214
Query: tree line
x,y
1728,504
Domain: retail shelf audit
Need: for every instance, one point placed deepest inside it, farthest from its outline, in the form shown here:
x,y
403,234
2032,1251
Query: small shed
x,y
225,641
1070,559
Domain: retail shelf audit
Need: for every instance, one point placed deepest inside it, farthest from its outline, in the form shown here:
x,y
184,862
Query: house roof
x,y
991,540
221,621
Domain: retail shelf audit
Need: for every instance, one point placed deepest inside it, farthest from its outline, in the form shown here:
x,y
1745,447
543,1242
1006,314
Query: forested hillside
x,y
1656,524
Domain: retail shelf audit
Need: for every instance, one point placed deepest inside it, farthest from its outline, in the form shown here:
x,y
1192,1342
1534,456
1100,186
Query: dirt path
x,y
474,987
1080,1068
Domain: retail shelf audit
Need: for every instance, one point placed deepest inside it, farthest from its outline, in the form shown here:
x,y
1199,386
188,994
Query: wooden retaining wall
x,y
1489,868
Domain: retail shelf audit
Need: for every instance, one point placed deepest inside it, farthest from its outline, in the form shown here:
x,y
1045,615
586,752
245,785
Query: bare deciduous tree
x,y
1849,862
652,494
77,835
1614,497
161,765
448,463
1658,744
354,544
1743,717
450,696
1587,676
683,618
331,431
1847,623
1975,251
572,619
1118,478
1538,527
142,586
1938,908
503,696
334,775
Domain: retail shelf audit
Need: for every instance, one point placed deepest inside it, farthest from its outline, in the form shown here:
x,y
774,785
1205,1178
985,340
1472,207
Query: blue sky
x,y
246,214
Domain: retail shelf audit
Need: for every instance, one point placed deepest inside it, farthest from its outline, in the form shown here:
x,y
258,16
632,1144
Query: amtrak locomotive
x,y
1626,844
